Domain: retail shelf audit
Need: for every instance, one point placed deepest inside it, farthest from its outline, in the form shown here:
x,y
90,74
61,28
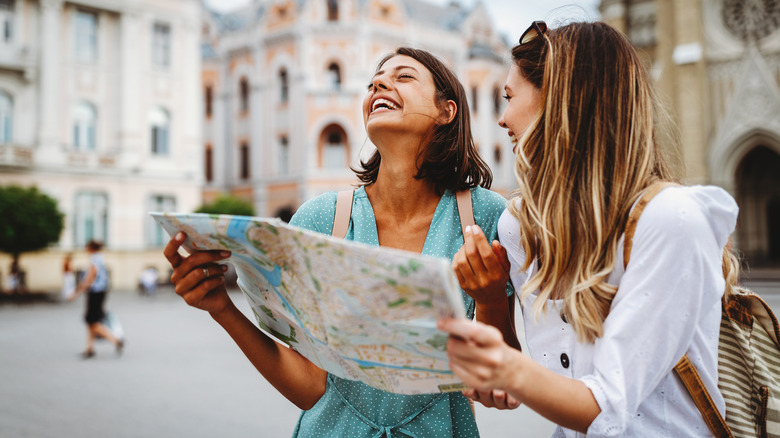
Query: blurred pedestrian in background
x,y
68,278
95,284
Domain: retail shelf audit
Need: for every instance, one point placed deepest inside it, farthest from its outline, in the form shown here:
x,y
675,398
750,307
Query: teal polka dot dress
x,y
352,409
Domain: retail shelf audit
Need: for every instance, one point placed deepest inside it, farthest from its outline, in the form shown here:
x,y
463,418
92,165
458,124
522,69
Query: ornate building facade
x,y
100,109
718,64
284,80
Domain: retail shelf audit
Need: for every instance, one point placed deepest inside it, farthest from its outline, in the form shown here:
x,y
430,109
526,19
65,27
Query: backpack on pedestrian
x,y
748,357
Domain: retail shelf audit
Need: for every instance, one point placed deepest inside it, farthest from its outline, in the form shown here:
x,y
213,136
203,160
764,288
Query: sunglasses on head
x,y
537,28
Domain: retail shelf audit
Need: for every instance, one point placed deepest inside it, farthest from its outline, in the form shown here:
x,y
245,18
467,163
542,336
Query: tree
x,y
30,221
226,204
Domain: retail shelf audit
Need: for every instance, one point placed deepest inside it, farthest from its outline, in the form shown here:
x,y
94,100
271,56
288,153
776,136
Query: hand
x,y
482,268
197,278
478,354
495,398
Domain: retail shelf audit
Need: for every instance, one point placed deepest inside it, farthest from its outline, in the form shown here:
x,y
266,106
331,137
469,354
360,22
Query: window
x,y
161,45
497,154
155,235
84,121
244,150
243,87
334,149
160,123
474,99
91,218
333,10
284,155
6,117
334,76
208,97
6,20
208,164
284,86
86,36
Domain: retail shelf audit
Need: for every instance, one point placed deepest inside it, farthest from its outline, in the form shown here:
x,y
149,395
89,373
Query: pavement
x,y
180,376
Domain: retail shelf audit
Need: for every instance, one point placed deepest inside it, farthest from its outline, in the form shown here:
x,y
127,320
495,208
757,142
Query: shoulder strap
x,y
343,213
465,209
684,368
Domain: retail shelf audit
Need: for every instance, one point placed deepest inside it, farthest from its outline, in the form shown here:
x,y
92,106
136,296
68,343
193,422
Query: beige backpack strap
x,y
343,213
684,368
465,209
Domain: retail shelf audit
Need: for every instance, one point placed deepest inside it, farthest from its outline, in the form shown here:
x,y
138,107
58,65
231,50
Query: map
x,y
358,311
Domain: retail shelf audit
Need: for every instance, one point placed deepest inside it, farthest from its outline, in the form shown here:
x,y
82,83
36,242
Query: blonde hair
x,y
582,164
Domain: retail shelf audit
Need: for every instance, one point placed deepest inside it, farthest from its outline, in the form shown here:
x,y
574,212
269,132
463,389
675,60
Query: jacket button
x,y
564,360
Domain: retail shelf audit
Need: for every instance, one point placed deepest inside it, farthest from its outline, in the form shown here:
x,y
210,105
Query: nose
x,y
380,82
501,122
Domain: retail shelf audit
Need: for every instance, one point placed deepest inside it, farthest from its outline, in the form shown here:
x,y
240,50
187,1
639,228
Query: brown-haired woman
x,y
603,338
95,284
416,114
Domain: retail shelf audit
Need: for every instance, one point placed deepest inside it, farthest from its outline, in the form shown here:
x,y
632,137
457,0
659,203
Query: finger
x,y
195,260
171,250
200,274
501,255
470,331
195,295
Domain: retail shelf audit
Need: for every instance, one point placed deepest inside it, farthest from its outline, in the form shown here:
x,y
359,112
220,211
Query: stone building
x,y
100,108
717,62
284,80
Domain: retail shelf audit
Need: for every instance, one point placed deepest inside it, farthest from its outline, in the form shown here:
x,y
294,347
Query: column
x,y
49,97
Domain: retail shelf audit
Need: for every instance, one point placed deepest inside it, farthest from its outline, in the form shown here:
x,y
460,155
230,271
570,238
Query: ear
x,y
448,112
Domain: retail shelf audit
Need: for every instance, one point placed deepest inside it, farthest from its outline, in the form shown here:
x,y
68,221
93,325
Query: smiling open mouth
x,y
381,103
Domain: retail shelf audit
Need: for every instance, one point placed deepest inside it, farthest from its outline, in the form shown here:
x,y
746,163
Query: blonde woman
x,y
602,339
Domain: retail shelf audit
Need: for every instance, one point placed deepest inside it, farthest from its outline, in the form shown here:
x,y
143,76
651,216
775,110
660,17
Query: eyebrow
x,y
400,67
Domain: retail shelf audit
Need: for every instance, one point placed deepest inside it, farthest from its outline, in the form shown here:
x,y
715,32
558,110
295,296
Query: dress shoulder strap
x,y
465,209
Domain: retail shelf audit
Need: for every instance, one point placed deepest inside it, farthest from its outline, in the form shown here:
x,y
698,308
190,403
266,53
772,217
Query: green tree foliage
x,y
226,204
30,220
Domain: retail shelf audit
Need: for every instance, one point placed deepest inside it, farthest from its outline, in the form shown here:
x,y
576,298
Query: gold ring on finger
x,y
205,272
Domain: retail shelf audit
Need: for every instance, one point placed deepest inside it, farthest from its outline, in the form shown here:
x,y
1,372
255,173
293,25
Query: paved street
x,y
180,376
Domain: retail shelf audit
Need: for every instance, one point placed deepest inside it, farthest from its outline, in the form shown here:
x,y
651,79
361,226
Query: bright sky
x,y
511,17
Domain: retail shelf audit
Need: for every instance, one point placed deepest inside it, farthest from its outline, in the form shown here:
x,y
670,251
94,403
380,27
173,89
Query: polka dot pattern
x,y
352,409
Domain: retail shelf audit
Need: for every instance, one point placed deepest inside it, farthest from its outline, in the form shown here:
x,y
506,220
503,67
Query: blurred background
x,y
110,109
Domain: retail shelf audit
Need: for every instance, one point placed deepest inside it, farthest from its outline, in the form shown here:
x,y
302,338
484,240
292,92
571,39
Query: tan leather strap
x,y
465,209
701,398
343,213
684,368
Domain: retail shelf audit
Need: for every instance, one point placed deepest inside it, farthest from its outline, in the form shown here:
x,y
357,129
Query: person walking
x,y
95,285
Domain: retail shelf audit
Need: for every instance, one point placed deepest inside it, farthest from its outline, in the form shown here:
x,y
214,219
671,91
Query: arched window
x,y
6,117
333,148
497,154
474,99
284,86
244,156
160,123
333,10
243,87
208,164
207,97
90,218
334,76
284,155
6,20
84,120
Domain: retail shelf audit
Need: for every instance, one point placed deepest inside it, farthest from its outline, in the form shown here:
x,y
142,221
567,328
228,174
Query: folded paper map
x,y
360,312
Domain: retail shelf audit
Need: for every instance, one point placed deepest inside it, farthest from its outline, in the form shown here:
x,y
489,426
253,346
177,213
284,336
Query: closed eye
x,y
507,97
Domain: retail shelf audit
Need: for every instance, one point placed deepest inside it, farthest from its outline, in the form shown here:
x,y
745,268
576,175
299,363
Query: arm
x,y
479,356
200,281
85,283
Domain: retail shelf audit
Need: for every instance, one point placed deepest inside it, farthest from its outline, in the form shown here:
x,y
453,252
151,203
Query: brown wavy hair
x,y
450,161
